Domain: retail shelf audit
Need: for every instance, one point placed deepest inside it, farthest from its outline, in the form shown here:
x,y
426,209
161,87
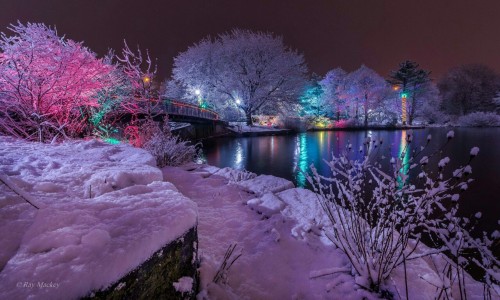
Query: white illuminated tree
x,y
251,71
367,91
334,86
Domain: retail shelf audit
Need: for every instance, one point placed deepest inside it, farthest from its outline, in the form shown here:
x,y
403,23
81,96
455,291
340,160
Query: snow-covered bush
x,y
168,149
378,218
480,119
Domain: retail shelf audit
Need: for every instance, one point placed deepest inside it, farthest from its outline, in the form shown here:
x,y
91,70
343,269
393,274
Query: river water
x,y
289,156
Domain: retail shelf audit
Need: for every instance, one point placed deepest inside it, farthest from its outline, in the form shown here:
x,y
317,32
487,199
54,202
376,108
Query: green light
x,y
404,95
111,141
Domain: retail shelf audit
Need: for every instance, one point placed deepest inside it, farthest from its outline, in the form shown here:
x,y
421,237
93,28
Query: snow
x,y
235,175
474,151
267,205
285,253
184,285
82,240
104,209
265,183
443,162
303,207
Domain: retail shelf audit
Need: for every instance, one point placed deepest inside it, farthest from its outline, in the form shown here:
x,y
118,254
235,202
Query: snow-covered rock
x,y
303,206
234,175
103,211
267,205
265,183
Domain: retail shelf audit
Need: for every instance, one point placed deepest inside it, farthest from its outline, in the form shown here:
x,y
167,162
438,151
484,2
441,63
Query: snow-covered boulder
x,y
234,175
264,184
303,206
104,211
267,205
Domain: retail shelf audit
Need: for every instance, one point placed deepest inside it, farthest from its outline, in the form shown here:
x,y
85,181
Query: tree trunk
x,y
410,109
366,110
248,116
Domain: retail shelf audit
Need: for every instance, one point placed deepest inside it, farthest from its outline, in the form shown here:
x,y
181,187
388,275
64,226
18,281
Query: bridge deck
x,y
178,108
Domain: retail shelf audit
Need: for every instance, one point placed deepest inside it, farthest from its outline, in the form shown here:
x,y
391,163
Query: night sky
x,y
437,34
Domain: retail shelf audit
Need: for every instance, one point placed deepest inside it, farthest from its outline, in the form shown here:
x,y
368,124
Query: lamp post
x,y
404,96
403,107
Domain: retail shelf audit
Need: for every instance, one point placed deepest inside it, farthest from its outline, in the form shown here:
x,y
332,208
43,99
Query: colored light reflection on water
x,y
404,156
290,156
300,159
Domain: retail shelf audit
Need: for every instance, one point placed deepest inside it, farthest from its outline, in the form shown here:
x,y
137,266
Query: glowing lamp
x,y
395,88
197,92
404,95
238,101
146,79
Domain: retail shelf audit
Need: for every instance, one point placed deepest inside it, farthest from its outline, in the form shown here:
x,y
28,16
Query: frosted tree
x,y
312,99
142,103
47,83
140,72
334,90
468,89
250,71
431,102
367,90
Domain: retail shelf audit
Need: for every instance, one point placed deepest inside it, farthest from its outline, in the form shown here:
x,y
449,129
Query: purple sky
x,y
437,34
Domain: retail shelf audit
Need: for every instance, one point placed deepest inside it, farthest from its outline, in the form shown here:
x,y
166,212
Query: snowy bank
x,y
104,210
256,130
280,231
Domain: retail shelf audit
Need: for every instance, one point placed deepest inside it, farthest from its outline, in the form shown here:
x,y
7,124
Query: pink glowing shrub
x,y
47,83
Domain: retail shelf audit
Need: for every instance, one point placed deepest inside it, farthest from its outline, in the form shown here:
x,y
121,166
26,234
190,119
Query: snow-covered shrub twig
x,y
168,149
13,187
227,262
378,218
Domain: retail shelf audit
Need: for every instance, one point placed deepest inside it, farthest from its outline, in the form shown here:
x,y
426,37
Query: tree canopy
x,y
241,70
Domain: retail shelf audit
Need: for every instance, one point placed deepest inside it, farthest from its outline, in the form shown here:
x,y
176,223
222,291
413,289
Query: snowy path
x,y
274,265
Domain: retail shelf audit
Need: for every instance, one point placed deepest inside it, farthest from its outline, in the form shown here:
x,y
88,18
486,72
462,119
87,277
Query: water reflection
x,y
404,155
300,160
290,157
238,157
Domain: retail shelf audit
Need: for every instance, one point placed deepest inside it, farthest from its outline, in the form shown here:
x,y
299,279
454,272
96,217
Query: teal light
x,y
404,155
302,161
111,141
404,95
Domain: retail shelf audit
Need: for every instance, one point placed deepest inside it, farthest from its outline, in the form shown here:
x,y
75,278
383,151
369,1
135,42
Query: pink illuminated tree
x,y
47,83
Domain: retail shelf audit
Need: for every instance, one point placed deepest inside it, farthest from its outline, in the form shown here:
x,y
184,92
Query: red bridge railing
x,y
173,107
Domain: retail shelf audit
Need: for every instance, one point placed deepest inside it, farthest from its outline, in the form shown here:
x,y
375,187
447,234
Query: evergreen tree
x,y
412,81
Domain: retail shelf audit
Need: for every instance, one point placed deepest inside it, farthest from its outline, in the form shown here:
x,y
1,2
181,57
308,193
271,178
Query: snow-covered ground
x,y
278,229
103,211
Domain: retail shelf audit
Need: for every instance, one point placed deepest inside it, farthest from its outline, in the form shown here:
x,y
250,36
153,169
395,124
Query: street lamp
x,y
238,101
146,80
197,92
